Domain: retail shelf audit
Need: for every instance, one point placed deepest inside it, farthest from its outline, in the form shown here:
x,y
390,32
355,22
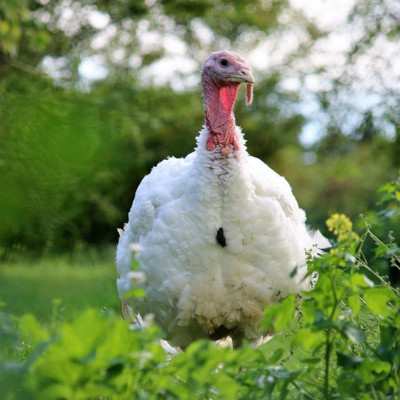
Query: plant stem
x,y
328,349
303,391
328,343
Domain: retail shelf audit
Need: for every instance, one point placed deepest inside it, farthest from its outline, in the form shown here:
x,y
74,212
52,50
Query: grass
x,y
28,286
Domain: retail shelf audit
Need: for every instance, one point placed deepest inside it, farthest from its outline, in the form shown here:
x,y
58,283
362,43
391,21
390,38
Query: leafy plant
x,y
340,340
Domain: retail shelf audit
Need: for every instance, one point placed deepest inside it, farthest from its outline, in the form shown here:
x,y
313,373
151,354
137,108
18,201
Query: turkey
x,y
218,232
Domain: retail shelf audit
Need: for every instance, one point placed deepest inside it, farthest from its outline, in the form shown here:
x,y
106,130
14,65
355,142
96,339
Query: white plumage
x,y
194,285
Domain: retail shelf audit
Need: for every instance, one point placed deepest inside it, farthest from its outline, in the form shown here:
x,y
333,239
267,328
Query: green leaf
x,y
276,356
309,340
372,370
377,300
348,361
31,330
280,316
361,281
136,293
354,334
355,304
280,372
286,314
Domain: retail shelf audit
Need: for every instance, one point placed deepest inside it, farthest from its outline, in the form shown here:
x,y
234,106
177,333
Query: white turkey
x,y
218,232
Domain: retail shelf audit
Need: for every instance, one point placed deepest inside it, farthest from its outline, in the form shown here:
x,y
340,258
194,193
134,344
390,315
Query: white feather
x,y
193,285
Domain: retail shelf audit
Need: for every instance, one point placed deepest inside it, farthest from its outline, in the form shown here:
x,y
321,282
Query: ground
x,y
28,286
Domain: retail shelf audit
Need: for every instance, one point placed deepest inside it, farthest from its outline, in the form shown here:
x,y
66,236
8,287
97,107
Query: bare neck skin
x,y
219,101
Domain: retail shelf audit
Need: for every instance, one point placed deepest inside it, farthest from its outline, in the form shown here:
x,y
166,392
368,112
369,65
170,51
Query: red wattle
x,y
227,96
220,101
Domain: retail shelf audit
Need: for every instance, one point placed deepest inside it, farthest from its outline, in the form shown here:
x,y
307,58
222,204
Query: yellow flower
x,y
340,225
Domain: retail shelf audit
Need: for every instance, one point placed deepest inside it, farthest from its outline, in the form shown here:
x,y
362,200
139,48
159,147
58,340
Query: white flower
x,y
168,348
134,248
142,323
136,276
368,282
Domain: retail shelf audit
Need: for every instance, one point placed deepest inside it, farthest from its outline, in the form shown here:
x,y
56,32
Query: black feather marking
x,y
221,332
220,238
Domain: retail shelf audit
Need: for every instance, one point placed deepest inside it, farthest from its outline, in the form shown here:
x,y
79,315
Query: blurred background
x,y
95,93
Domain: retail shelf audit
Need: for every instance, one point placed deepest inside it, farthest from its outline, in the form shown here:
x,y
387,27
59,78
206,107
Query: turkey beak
x,y
247,75
244,75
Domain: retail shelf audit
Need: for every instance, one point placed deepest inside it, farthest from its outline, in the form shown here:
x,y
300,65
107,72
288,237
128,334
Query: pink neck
x,y
219,102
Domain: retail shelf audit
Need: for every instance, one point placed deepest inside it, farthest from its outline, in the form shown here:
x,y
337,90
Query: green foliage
x,y
71,156
72,163
19,28
238,16
382,227
339,340
73,153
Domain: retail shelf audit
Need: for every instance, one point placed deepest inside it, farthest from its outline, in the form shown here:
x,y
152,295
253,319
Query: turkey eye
x,y
224,62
